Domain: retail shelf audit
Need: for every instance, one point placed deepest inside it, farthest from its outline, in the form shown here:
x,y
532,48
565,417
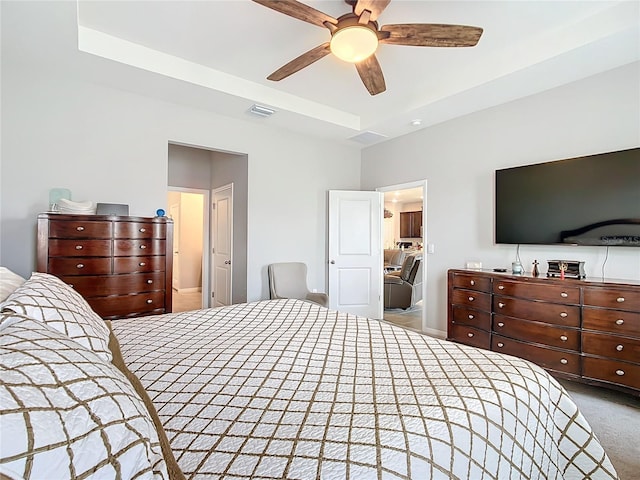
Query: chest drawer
x,y
471,317
79,248
620,348
619,299
472,282
139,230
102,286
613,371
471,298
548,293
126,305
150,246
61,266
469,336
79,229
567,315
550,358
138,264
537,332
614,321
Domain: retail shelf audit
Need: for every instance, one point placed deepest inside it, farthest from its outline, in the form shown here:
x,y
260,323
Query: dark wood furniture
x,y
411,224
585,330
122,266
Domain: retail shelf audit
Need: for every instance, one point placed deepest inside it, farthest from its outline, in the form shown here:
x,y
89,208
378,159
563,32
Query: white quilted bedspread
x,y
288,389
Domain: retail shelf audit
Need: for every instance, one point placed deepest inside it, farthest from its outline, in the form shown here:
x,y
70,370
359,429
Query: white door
x,y
174,214
222,235
355,253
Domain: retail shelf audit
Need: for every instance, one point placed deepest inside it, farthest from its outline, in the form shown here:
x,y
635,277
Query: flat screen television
x,y
591,200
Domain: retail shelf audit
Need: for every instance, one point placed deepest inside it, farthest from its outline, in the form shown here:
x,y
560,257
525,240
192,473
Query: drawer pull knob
x,y
620,372
500,287
620,299
619,321
149,281
471,316
563,338
142,230
500,324
501,305
149,301
620,348
471,299
142,264
564,314
564,361
80,265
564,294
500,344
143,247
469,334
80,228
472,282
78,247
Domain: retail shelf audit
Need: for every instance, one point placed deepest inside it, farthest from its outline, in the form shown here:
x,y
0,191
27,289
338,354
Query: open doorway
x,y
404,236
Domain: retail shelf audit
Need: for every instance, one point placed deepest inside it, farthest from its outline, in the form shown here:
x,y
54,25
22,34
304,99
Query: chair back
x,y
288,280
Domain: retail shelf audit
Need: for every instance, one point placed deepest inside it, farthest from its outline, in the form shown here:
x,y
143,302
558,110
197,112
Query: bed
x,y
276,389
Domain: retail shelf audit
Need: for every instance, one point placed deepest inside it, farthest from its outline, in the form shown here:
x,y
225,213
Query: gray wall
x,y
458,158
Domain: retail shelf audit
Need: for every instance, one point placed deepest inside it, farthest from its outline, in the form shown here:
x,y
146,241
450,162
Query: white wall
x,y
109,145
458,158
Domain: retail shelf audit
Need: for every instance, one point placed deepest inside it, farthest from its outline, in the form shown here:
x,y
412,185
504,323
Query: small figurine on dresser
x,y
535,271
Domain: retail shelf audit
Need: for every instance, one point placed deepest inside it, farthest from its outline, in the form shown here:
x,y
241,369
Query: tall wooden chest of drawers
x,y
122,266
585,330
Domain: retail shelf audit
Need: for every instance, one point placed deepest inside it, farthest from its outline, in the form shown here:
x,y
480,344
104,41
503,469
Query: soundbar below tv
x,y
591,200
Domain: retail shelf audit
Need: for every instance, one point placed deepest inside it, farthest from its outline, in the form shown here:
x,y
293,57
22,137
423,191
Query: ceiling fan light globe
x,y
354,44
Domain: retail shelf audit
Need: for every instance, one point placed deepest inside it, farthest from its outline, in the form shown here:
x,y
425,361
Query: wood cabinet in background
x,y
411,224
584,330
122,266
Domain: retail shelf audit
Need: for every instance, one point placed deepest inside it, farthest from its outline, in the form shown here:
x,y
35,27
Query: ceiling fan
x,y
355,37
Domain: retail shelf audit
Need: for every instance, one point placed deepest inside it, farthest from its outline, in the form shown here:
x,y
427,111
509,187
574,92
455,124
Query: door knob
x,y
332,262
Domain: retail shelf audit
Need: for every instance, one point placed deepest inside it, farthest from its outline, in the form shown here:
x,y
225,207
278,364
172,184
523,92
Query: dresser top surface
x,y
103,218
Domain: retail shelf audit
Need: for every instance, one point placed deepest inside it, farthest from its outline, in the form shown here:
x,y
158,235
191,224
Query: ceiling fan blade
x,y
371,75
298,10
374,6
431,35
300,62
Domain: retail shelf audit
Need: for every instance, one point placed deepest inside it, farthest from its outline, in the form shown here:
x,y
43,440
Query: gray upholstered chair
x,y
289,280
403,289
393,259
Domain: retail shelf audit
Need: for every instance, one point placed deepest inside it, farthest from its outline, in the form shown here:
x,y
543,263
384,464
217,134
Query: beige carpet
x,y
615,419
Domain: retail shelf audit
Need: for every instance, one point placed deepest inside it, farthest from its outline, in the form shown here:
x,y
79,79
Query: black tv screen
x,y
591,200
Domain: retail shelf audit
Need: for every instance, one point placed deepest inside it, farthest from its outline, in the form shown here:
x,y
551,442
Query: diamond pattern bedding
x,y
289,389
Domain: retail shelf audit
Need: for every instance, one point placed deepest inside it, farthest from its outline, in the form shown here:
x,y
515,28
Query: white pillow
x,y
46,298
68,414
9,281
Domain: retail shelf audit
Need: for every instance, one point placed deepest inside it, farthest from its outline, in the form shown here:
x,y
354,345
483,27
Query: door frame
x,y
405,186
206,243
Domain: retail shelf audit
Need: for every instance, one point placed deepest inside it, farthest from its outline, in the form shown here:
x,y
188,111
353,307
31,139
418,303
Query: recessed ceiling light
x,y
416,123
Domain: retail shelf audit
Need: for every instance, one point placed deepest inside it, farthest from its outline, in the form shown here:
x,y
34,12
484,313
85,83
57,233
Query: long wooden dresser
x,y
585,330
121,265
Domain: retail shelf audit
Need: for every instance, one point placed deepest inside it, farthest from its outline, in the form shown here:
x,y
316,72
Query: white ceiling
x,y
221,52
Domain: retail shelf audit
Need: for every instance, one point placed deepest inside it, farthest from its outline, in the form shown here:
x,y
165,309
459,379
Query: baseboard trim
x,y
432,332
188,290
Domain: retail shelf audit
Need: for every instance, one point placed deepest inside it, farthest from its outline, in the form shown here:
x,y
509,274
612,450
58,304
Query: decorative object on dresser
x,y
121,265
584,330
566,268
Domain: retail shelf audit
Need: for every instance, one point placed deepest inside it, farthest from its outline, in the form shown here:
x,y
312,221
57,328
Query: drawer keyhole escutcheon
x,y
620,348
80,228
563,338
564,361
500,324
78,247
564,314
620,322
620,372
620,299
564,294
500,344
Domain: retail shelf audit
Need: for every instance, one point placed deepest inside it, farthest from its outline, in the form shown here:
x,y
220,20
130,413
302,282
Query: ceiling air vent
x,y
367,138
261,110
